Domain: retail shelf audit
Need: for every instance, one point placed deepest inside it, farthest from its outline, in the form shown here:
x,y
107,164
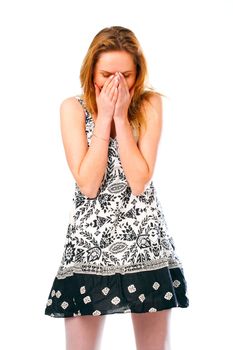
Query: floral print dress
x,y
119,255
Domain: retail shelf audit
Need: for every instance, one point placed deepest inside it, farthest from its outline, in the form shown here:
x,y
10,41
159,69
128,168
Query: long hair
x,y
117,38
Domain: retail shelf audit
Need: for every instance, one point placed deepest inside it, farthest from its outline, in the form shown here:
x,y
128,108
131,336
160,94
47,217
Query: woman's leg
x,y
151,330
84,332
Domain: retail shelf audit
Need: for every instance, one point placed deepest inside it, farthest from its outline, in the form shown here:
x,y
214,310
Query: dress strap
x,y
81,101
88,118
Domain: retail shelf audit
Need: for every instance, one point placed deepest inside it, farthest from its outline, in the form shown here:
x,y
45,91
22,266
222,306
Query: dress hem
x,y
105,313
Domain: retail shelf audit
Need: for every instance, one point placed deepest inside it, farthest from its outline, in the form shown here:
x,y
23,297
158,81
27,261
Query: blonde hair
x,y
117,38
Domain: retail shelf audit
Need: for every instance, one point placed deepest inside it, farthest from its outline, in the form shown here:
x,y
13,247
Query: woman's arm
x,y
139,161
87,164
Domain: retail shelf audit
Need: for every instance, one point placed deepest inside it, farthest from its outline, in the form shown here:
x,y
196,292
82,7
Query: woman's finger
x,y
115,81
113,89
124,81
107,82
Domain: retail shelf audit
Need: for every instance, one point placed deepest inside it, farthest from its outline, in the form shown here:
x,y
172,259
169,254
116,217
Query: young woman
x,y
119,256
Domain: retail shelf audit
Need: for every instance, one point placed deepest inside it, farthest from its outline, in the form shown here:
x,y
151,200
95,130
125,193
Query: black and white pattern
x,y
118,254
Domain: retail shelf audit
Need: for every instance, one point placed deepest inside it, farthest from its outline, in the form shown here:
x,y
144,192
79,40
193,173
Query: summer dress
x,y
118,255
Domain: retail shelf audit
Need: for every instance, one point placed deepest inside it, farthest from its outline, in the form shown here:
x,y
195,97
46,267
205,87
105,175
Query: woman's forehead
x,y
111,62
105,71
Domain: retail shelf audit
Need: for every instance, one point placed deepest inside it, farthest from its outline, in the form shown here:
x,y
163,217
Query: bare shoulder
x,y
72,122
149,137
153,110
153,107
71,108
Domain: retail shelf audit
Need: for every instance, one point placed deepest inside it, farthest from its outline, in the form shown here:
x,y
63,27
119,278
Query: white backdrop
x,y
188,47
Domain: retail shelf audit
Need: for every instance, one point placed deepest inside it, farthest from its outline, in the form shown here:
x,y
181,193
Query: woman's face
x,y
115,61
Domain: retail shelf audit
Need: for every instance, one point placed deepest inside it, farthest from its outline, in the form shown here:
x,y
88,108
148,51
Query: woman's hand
x,y
106,98
124,97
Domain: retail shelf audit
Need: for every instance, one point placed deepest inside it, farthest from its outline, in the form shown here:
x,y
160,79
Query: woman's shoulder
x,y
152,112
71,102
72,107
152,99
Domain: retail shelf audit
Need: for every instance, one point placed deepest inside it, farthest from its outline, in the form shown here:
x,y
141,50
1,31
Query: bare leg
x,y
84,332
151,330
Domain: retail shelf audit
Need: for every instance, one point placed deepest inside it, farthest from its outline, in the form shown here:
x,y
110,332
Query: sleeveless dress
x,y
118,255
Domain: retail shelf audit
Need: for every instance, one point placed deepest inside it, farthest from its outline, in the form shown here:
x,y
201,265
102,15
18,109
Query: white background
x,y
188,49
